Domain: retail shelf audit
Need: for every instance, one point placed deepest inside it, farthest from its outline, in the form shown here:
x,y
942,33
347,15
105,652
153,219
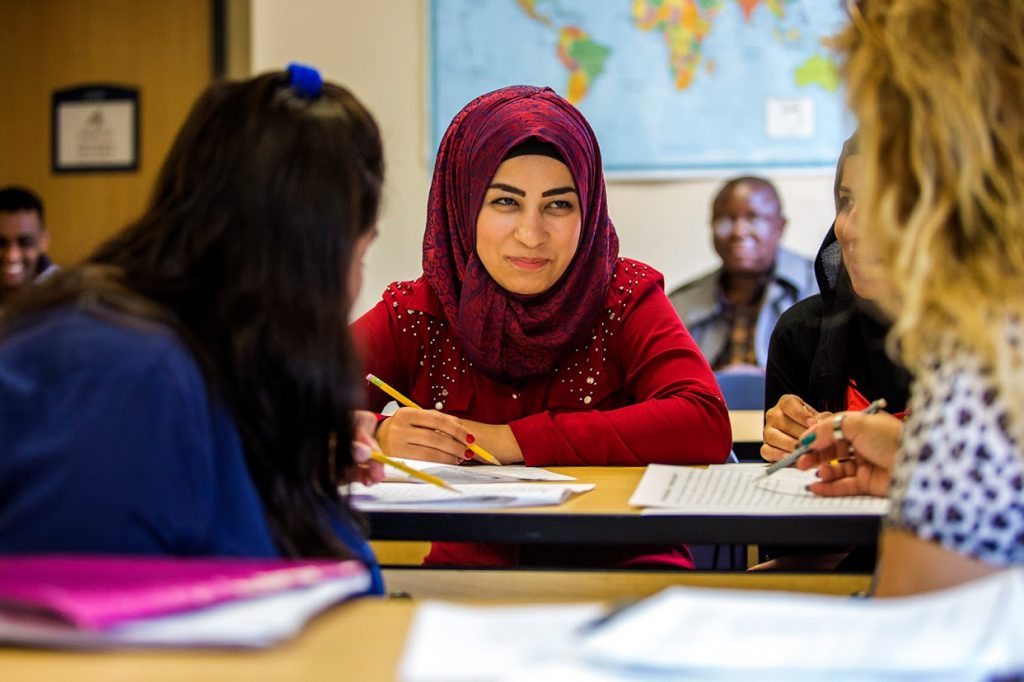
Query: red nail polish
x,y
470,438
469,454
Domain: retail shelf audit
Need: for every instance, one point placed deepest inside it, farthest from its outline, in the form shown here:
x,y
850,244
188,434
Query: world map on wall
x,y
669,86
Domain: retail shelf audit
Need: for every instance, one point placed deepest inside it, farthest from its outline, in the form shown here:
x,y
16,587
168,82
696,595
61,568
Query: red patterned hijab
x,y
512,336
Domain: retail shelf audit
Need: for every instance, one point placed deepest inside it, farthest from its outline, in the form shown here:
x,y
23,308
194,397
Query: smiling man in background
x,y
732,311
23,241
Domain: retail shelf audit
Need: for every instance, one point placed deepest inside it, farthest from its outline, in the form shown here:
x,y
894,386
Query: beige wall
x,y
378,48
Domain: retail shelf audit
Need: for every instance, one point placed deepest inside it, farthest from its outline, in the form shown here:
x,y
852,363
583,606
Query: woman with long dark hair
x,y
189,389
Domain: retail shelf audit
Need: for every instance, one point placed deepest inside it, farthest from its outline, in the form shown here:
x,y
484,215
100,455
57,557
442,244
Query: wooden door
x,y
163,47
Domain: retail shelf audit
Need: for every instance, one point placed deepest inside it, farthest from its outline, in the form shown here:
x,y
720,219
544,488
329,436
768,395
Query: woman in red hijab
x,y
527,333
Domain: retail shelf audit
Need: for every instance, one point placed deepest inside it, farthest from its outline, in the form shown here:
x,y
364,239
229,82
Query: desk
x,y
357,642
529,585
603,516
747,426
747,434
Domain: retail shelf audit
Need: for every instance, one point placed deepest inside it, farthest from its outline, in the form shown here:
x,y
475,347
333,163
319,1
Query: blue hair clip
x,y
305,80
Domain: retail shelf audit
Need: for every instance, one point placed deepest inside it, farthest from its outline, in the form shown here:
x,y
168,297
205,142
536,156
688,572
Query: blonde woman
x,y
936,86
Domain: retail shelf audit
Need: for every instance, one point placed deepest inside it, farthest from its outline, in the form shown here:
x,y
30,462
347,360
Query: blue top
x,y
112,443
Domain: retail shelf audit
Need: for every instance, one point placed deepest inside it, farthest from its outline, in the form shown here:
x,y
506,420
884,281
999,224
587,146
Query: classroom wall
x,y
163,48
378,49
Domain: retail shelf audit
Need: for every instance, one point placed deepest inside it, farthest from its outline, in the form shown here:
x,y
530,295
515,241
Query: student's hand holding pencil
x,y
860,462
434,436
425,434
408,433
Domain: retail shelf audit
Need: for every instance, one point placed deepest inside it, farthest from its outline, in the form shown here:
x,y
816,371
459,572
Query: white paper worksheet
x,y
972,632
485,473
739,489
408,496
503,638
969,630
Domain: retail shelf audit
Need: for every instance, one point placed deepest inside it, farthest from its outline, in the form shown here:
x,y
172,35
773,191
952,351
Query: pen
x,y
875,406
790,459
377,456
805,444
408,403
616,610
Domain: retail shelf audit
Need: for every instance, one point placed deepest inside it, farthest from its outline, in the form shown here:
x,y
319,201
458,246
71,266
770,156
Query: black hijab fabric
x,y
851,344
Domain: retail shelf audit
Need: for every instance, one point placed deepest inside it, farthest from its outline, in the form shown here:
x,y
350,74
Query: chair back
x,y
742,390
744,396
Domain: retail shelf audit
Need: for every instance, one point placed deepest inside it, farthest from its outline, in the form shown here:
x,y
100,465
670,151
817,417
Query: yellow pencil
x,y
408,403
378,456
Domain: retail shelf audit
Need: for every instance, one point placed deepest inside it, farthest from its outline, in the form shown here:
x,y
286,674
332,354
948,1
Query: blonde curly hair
x,y
938,89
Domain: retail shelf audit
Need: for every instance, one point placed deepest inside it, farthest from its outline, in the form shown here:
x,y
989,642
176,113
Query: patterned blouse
x,y
959,481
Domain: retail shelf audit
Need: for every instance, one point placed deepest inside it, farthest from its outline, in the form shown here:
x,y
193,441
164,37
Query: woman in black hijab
x,y
827,353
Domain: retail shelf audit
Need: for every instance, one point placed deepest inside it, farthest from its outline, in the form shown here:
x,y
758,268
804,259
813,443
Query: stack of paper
x,y
741,489
971,632
407,497
505,637
79,601
974,631
450,473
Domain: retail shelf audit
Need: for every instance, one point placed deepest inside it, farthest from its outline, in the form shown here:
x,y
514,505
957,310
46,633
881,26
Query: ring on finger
x,y
837,426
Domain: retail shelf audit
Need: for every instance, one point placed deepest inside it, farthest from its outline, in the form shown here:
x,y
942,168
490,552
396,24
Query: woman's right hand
x,y
861,464
784,423
426,435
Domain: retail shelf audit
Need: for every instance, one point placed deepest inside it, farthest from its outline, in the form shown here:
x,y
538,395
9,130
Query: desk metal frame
x,y
626,529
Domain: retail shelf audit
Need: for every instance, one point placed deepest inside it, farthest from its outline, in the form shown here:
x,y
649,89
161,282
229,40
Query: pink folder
x,y
99,592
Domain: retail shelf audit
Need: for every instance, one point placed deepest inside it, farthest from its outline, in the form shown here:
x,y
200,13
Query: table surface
x,y
355,642
604,516
747,425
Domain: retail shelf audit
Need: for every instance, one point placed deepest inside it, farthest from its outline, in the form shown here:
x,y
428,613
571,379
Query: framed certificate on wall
x,y
95,128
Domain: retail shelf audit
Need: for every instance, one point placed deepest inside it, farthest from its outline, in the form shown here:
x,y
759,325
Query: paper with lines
x,y
738,489
408,496
505,637
484,473
974,631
